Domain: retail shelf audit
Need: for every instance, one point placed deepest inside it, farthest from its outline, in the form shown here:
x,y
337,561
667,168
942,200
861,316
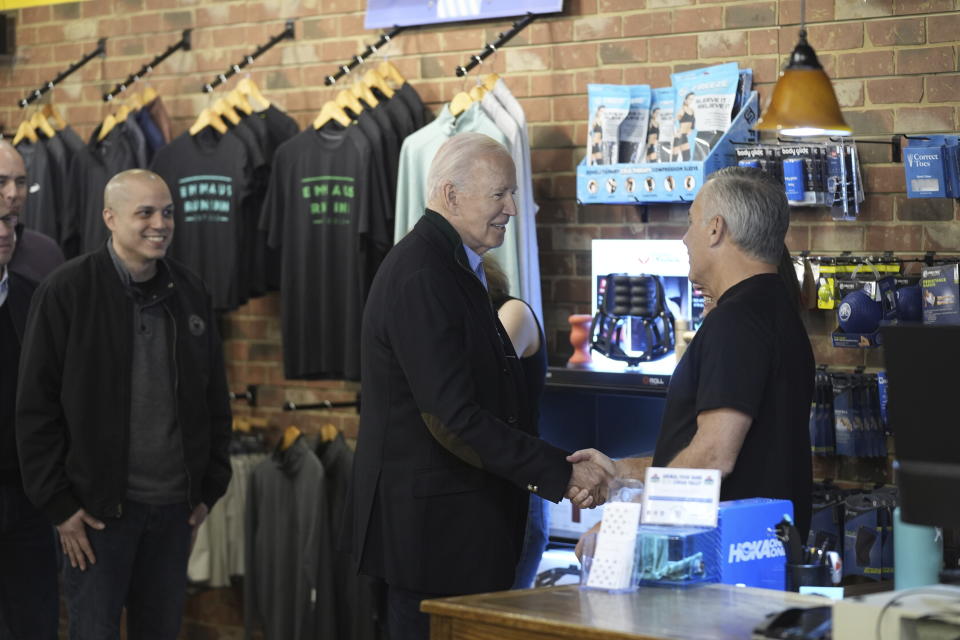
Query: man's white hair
x,y
458,160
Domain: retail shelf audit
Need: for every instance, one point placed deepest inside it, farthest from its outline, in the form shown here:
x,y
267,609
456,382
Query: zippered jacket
x,y
73,401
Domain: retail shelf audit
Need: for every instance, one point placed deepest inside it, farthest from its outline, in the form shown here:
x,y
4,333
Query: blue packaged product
x,y
793,179
633,129
660,126
941,294
703,108
608,106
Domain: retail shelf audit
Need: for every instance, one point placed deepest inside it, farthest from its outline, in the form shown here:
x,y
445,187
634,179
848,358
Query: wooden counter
x,y
710,612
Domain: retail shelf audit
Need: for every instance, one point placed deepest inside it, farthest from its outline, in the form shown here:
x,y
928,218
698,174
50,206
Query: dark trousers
x,y
141,565
404,619
29,605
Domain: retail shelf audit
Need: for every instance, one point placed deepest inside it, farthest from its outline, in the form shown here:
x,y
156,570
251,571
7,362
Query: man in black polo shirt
x,y
739,399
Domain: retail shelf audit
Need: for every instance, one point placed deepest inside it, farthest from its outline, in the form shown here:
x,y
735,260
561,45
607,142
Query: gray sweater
x,y
288,585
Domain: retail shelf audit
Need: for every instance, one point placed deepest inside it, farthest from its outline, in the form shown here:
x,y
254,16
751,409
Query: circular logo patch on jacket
x,y
197,325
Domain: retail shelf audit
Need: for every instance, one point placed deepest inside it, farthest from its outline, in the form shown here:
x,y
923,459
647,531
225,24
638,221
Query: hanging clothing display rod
x,y
358,60
502,39
184,44
325,404
101,50
223,77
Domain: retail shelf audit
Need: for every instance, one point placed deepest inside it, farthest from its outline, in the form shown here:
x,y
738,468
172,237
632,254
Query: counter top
x,y
709,612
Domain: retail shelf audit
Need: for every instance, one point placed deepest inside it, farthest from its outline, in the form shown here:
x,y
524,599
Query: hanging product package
x,y
846,437
660,128
608,106
703,108
633,129
844,182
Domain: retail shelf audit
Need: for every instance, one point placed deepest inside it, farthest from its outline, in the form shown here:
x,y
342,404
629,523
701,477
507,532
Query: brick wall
x,y
893,62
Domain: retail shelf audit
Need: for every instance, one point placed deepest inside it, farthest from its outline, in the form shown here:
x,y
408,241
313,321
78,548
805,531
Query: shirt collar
x,y
473,258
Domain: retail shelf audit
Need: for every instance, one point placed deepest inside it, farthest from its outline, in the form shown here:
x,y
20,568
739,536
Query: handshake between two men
x,y
591,477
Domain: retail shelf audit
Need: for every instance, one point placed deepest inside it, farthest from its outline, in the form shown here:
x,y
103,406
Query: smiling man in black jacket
x,y
123,419
448,453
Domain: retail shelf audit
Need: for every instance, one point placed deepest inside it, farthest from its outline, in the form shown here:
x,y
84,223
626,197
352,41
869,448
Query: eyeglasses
x,y
10,220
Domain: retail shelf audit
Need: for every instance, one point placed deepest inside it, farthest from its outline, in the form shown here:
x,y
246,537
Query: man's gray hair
x,y
754,206
457,161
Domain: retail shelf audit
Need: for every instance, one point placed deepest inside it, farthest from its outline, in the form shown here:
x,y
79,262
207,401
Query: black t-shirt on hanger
x,y
415,105
209,176
41,210
751,354
318,211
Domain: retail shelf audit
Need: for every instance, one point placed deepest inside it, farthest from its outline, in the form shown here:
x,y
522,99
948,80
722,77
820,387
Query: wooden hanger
x,y
226,110
239,102
490,80
331,111
250,89
52,114
208,118
328,433
460,103
349,101
241,424
25,130
375,81
134,101
106,126
477,92
39,123
122,113
149,95
389,72
363,92
290,435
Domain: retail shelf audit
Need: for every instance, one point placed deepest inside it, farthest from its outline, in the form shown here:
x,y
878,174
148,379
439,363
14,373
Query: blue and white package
x,y
633,129
608,106
660,128
703,108
931,165
750,554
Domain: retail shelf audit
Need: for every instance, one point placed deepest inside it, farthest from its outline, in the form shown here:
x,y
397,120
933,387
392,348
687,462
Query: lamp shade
x,y
803,101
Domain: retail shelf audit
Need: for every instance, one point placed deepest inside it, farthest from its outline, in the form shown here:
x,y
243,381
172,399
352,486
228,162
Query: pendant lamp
x,y
803,101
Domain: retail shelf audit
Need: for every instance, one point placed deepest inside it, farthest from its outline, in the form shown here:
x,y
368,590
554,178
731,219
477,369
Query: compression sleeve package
x,y
704,102
608,106
633,129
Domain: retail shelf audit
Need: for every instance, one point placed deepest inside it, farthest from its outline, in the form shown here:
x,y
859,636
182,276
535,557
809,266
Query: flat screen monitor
x,y
923,374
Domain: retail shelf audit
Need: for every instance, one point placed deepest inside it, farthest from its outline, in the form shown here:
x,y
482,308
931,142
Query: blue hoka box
x,y
751,554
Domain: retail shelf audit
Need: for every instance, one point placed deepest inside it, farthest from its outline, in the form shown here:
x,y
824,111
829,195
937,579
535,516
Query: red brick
x,y
884,179
603,76
863,9
557,264
623,51
550,160
551,84
816,11
530,59
896,32
868,63
221,14
943,28
648,24
673,48
831,37
698,19
763,41
581,7
901,237
596,28
551,135
601,214
552,32
93,8
575,56
876,208
722,44
924,119
569,108
556,212
943,88
654,76
901,7
351,25
941,236
838,237
925,60
923,209
616,6
892,90
34,15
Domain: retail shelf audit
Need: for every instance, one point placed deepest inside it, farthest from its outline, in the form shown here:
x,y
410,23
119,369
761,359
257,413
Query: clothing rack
x,y
325,404
101,50
250,395
359,59
287,32
502,39
184,44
